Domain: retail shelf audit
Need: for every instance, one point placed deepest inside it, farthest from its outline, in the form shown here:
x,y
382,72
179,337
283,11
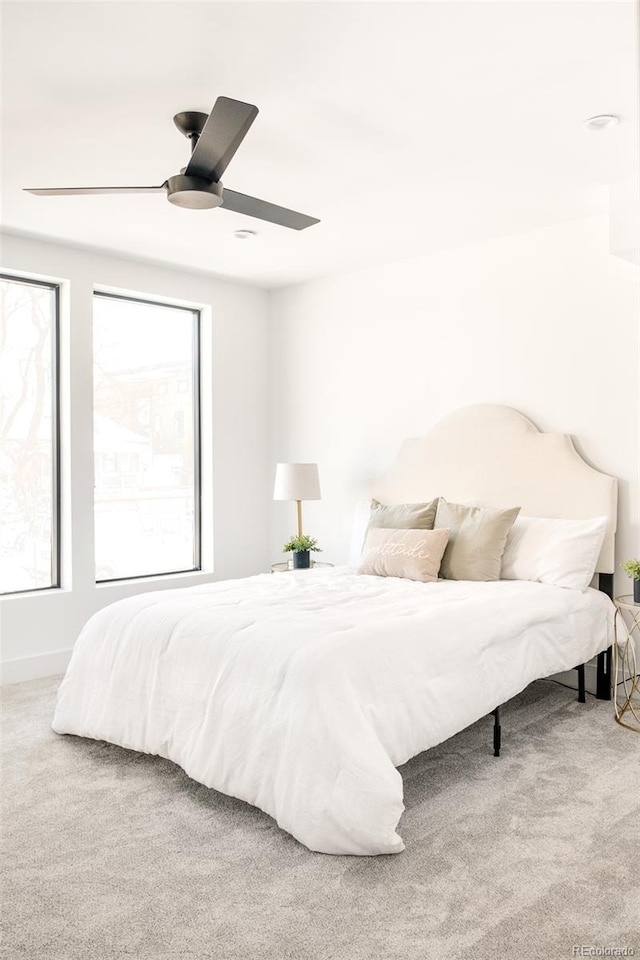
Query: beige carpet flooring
x,y
109,854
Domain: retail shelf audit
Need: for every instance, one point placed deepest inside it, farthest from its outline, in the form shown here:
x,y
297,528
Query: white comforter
x,y
301,693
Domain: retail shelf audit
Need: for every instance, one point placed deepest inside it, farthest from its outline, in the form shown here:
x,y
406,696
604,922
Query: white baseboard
x,y
32,668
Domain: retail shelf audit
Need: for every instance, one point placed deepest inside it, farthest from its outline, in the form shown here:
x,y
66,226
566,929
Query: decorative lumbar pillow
x,y
403,516
412,554
477,538
563,553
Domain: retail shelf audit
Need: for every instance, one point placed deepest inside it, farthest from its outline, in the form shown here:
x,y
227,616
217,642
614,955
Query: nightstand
x,y
626,691
287,566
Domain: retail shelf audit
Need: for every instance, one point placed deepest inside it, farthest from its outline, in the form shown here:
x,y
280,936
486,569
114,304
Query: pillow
x,y
412,554
477,538
403,516
563,553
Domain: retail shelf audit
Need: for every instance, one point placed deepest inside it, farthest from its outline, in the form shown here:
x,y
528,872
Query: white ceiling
x,y
406,127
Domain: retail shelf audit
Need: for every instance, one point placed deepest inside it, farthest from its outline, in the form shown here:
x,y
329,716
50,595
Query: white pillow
x,y
412,554
560,552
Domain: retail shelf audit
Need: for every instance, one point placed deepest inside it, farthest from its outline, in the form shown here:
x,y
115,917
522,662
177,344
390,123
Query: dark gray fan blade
x,y
221,136
71,191
252,207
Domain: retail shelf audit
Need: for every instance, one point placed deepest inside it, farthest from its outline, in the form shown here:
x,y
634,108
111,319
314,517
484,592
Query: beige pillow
x,y
403,516
412,554
477,537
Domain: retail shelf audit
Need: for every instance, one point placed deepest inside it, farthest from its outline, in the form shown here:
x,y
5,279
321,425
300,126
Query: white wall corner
x,y
624,219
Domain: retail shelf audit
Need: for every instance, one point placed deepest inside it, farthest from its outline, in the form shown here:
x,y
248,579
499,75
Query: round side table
x,y
626,689
287,565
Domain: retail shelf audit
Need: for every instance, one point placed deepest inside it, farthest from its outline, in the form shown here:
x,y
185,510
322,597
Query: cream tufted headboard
x,y
496,456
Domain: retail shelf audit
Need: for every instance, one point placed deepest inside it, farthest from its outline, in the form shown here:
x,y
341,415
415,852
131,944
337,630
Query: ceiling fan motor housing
x,y
194,192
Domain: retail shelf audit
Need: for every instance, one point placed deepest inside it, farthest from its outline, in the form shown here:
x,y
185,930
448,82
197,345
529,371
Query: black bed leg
x,y
581,689
496,732
603,675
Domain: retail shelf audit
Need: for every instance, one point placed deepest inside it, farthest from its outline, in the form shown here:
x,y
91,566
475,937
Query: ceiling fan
x,y
214,141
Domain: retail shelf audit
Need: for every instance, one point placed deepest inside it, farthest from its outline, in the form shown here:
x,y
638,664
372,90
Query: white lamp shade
x,y
297,481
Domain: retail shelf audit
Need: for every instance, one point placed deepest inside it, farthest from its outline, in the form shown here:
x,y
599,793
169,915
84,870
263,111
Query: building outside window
x,y
29,431
147,507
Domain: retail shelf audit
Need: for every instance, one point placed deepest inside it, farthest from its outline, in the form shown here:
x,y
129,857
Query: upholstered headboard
x,y
496,456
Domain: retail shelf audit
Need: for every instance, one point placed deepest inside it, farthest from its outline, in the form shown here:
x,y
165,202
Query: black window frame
x,y
196,313
56,497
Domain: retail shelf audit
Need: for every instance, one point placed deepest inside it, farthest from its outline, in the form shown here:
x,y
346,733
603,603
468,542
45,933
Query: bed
x,y
301,694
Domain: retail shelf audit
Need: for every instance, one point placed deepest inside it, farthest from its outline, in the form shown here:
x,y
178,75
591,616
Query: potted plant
x,y
632,568
301,548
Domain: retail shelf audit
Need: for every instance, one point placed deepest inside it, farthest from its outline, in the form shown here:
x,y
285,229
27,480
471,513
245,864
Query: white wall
x,y
545,322
38,630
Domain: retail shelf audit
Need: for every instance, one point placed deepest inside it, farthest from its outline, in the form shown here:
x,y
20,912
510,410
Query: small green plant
x,y
632,568
301,544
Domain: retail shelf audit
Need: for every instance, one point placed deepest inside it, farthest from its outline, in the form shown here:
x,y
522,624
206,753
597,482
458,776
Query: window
x,y
147,483
29,429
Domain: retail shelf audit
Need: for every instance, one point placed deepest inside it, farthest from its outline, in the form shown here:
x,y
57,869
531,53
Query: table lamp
x,y
297,481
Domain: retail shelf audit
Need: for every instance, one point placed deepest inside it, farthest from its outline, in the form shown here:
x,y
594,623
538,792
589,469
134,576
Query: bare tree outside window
x,y
28,436
146,437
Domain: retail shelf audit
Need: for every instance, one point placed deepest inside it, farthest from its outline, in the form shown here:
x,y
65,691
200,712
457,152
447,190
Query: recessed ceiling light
x,y
244,234
602,122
